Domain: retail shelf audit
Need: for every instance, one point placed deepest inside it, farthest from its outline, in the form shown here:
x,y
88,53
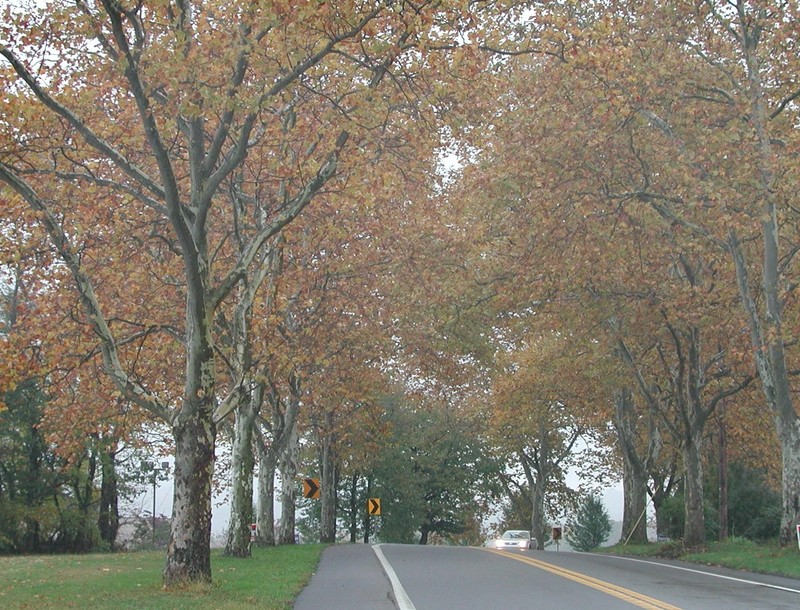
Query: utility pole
x,y
164,468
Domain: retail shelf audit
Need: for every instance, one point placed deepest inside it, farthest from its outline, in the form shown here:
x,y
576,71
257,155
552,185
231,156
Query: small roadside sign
x,y
557,531
374,507
311,488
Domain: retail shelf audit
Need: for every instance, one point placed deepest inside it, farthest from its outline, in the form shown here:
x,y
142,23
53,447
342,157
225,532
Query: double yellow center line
x,y
632,597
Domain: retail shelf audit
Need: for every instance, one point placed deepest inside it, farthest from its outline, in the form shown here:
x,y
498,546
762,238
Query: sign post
x,y
557,536
798,535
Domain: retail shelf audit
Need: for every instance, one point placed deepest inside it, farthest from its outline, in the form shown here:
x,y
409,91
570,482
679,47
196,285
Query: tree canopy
x,y
542,228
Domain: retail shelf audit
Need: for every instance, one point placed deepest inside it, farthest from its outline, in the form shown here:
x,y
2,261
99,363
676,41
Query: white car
x,y
513,539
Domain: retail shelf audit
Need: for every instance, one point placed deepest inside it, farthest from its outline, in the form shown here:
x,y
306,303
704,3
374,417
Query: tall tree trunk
x,y
242,469
328,491
538,528
789,435
634,473
189,550
281,455
288,472
367,531
248,405
108,515
694,531
662,489
267,464
772,371
695,417
543,465
536,476
766,330
83,490
634,488
353,508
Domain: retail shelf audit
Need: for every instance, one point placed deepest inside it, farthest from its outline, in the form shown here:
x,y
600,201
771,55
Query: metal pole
x,y
155,471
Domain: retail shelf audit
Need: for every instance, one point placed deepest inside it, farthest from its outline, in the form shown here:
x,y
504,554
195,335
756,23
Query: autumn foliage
x,y
518,212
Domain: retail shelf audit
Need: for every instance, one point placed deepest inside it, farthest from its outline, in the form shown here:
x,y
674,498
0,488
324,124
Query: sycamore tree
x,y
322,323
702,95
672,128
543,419
154,125
337,264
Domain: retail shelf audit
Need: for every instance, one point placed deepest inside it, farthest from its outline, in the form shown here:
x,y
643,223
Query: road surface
x,y
412,577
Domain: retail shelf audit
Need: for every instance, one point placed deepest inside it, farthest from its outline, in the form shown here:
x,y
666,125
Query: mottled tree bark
x,y
189,550
288,473
242,472
694,530
267,464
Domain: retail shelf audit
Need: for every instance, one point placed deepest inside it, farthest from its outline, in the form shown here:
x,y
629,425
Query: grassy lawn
x,y
737,553
271,579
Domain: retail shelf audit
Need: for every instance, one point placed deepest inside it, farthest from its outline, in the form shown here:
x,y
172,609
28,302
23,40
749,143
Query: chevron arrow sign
x,y
374,506
311,488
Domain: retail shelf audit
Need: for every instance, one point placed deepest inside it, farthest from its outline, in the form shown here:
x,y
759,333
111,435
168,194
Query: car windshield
x,y
515,534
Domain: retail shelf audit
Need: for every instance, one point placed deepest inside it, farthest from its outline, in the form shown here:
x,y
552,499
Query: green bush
x,y
754,509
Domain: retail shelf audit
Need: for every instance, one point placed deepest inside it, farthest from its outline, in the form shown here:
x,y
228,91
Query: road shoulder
x,y
348,576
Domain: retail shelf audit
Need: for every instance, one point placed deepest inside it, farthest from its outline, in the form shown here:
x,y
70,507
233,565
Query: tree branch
x,y
127,386
91,138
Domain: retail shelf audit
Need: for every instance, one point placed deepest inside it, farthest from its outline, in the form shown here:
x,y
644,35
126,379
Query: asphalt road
x,y
412,577
349,577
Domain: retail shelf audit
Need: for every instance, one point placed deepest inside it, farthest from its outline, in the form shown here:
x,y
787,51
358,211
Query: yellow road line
x,y
632,597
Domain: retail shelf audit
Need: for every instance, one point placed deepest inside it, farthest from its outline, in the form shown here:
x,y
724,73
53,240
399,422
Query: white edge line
x,y
401,597
741,580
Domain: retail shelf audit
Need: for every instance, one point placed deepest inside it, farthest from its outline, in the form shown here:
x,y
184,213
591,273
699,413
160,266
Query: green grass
x,y
272,578
737,553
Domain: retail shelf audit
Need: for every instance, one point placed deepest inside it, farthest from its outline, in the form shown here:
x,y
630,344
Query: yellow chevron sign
x,y
374,507
311,488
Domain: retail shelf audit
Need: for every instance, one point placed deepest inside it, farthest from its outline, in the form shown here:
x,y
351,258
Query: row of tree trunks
x,y
271,460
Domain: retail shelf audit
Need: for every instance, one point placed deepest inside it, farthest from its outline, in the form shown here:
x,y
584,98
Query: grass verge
x,y
736,553
271,579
